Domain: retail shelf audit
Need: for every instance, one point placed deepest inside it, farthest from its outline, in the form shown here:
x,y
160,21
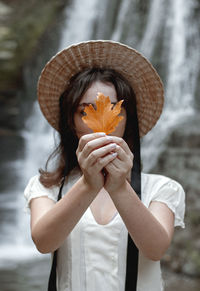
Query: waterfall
x,y
79,22
84,20
167,35
15,238
153,28
180,78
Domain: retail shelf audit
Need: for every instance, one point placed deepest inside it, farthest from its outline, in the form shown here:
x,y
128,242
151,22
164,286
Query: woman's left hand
x,y
119,170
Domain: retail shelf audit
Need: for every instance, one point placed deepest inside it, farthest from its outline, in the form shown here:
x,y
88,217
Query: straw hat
x,y
141,75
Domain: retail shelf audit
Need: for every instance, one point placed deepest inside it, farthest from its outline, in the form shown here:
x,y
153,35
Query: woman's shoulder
x,y
166,190
34,184
156,182
36,189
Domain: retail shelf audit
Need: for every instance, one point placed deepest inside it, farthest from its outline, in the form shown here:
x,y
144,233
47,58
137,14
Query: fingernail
x,y
114,154
113,145
101,133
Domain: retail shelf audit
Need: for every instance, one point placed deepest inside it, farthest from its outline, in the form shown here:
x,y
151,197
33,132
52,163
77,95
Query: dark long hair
x,y
69,101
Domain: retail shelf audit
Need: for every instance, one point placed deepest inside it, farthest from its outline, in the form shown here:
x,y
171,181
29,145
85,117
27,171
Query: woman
x,y
100,224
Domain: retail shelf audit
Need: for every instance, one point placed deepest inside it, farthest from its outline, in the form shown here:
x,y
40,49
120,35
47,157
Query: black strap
x,y
52,277
132,250
131,266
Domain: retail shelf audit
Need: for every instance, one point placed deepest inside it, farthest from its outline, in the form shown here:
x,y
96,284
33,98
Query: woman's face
x,y
89,97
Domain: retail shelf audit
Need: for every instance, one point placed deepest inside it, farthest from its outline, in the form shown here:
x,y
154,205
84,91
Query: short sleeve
x,y
172,194
35,189
165,190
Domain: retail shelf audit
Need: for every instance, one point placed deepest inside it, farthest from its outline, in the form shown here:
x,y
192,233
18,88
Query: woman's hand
x,y
119,169
95,151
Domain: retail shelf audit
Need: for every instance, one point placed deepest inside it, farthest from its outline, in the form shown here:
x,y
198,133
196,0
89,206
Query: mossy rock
x,y
24,23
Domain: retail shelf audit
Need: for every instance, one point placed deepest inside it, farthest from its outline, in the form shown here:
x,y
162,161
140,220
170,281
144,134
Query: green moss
x,y
194,218
195,257
24,26
29,30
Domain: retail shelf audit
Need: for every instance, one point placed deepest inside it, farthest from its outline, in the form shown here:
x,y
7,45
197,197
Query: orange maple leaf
x,y
105,118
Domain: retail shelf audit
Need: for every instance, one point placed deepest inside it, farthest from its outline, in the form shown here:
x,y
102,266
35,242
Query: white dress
x,y
93,256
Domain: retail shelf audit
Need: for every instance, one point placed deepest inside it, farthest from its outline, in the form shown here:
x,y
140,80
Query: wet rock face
x,y
29,35
21,40
181,161
19,35
22,23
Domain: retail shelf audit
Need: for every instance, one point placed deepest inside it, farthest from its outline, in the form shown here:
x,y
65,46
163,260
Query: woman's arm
x,y
150,228
50,222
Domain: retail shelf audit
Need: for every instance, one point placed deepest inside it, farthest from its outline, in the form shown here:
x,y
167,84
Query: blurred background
x,y
31,32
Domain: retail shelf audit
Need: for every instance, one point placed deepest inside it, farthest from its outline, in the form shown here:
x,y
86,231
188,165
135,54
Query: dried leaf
x,y
105,118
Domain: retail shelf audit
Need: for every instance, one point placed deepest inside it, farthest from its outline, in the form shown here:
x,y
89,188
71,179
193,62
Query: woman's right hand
x,y
94,152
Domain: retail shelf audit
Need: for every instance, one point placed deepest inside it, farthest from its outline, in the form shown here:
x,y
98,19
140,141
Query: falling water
x,y
153,28
15,242
78,26
180,80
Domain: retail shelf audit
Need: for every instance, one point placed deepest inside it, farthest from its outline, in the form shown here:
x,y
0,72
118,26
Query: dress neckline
x,y
99,224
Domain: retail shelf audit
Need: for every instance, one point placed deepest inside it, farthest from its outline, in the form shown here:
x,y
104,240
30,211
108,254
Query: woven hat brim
x,y
141,75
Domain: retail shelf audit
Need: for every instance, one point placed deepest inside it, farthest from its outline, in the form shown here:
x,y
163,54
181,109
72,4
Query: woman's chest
x,y
103,208
94,255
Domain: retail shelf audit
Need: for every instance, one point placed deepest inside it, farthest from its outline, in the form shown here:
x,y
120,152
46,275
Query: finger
x,y
95,144
110,167
104,161
123,160
118,164
116,168
100,153
87,137
121,154
121,142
